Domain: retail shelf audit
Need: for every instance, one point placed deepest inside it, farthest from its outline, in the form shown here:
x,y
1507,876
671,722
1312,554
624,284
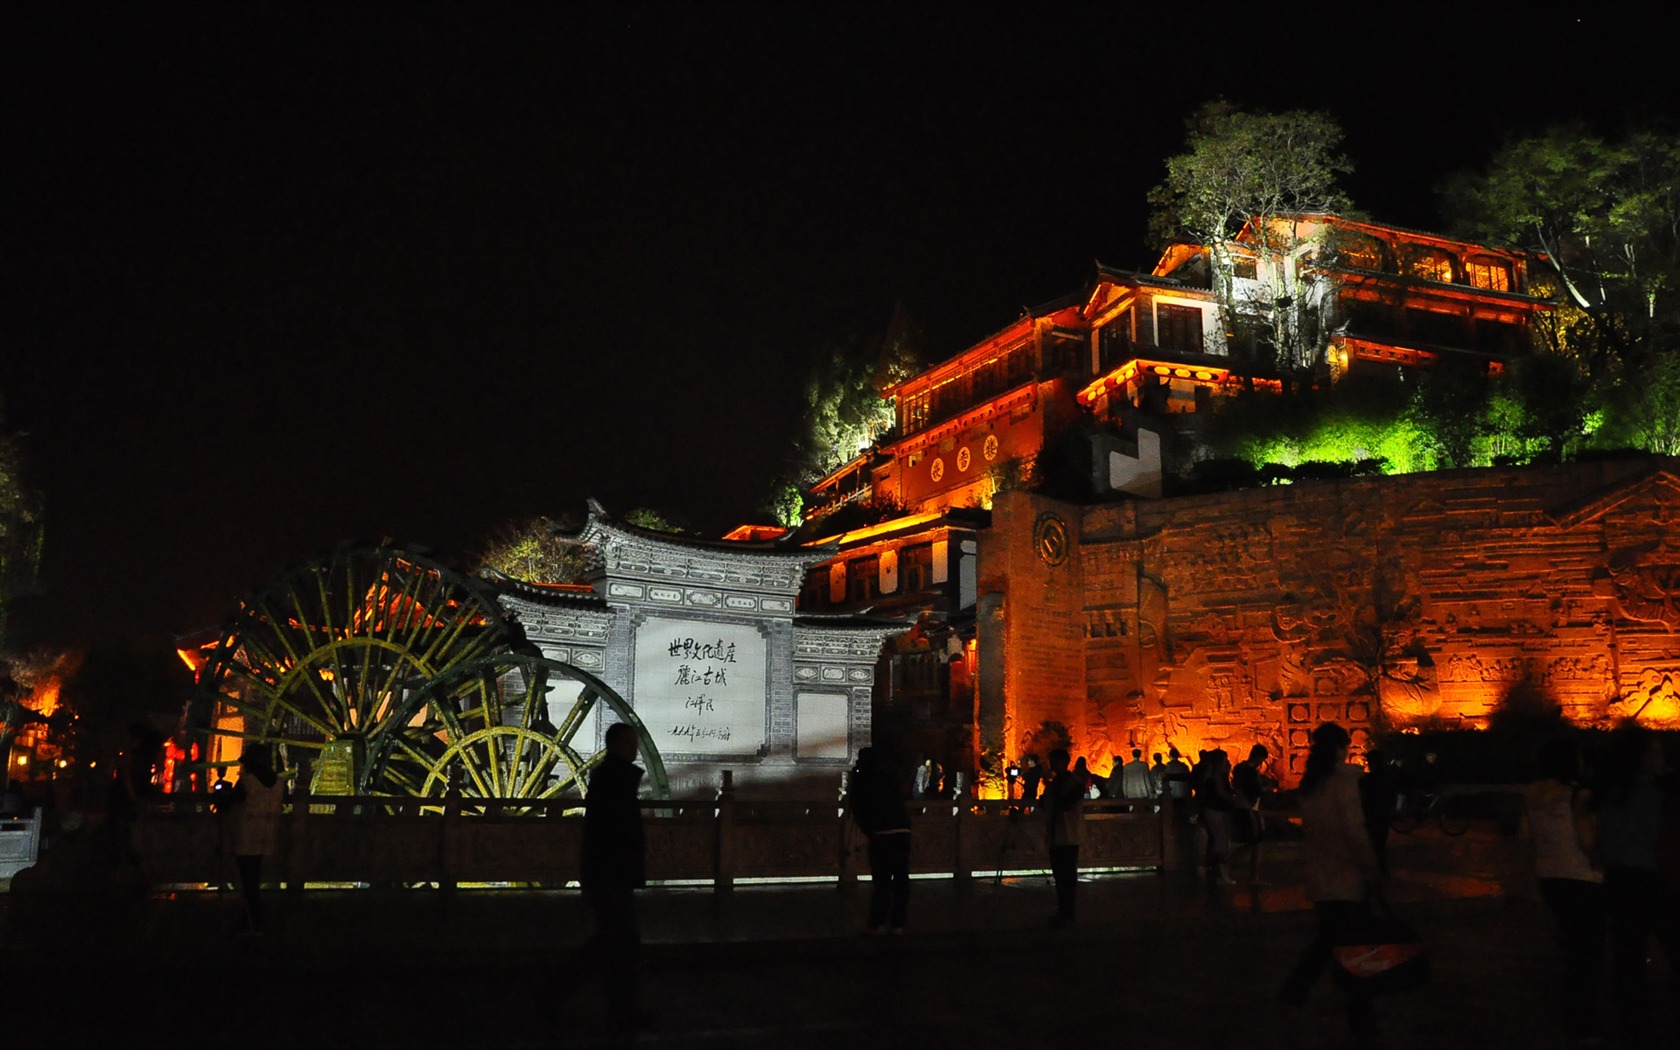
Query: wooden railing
x,y
720,841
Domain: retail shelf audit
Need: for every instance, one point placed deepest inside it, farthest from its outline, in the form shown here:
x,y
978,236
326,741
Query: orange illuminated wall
x,y
1417,601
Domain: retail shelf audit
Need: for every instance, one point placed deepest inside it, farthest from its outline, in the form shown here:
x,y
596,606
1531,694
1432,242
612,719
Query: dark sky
x,y
279,275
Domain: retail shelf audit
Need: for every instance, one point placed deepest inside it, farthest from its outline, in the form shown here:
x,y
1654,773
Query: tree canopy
x,y
845,412
1239,165
1602,219
539,549
1243,167
21,533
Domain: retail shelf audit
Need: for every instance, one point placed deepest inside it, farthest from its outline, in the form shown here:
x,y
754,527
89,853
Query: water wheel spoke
x,y
580,710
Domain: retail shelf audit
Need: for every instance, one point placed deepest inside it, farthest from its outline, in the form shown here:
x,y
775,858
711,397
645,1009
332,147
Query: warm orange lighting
x,y
755,533
43,699
193,658
859,535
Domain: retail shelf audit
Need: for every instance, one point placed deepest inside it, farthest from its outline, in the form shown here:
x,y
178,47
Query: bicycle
x,y
1447,812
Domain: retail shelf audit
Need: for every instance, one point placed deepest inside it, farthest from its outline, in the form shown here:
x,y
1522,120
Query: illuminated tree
x,y
845,412
538,551
1645,413
1603,218
1251,169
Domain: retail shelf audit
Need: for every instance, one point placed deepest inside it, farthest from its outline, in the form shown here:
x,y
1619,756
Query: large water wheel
x,y
411,663
506,725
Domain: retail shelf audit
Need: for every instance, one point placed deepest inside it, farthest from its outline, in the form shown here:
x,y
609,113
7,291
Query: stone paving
x,y
1160,960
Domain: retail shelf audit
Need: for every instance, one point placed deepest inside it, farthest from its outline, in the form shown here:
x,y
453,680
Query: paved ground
x,y
1160,960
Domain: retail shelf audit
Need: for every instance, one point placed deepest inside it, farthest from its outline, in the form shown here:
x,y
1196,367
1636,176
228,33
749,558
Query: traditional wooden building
x,y
1112,378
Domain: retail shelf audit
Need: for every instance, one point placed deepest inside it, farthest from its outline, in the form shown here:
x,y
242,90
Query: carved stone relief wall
x,y
1411,601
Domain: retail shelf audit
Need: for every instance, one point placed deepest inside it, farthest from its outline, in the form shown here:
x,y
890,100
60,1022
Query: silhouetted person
x,y
1630,816
614,867
1082,772
1031,774
1379,794
1340,868
877,807
1177,782
1216,803
129,791
252,810
1065,818
1563,828
1249,787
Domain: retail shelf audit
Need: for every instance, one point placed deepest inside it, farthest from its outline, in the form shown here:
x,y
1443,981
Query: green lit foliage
x,y
1454,415
541,550
652,520
1644,411
1605,214
536,550
1604,217
21,532
786,502
845,412
1361,419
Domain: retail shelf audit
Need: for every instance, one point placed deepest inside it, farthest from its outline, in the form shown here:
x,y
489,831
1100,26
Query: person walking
x,y
253,812
1564,831
877,808
614,867
1341,868
1065,814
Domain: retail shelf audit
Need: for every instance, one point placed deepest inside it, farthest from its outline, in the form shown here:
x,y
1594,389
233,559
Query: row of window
x,y
1429,264
987,379
863,578
1384,322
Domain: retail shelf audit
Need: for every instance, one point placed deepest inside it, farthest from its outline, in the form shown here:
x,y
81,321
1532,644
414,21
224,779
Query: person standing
x,y
924,775
1249,786
1176,782
1135,781
1031,774
1379,794
1065,821
1564,830
877,808
1216,803
614,867
1341,868
254,804
1630,820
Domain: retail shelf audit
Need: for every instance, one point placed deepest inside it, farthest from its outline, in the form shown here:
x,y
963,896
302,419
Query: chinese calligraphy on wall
x,y
700,686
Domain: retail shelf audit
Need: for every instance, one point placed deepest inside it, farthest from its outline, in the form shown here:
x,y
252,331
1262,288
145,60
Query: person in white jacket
x,y
254,827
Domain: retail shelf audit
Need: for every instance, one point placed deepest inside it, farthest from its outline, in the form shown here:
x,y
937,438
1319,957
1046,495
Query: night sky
x,y
275,276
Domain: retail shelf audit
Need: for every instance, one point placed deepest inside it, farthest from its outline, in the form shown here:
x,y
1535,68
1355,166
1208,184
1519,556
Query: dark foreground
x,y
1158,961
